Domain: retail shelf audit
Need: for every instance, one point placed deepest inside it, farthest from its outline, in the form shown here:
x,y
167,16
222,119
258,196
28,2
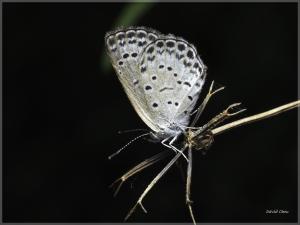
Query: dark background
x,y
62,111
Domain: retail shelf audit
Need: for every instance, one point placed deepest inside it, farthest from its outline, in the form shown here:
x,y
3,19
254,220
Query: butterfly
x,y
163,76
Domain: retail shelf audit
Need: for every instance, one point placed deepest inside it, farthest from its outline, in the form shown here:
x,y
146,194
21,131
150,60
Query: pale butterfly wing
x,y
173,74
124,46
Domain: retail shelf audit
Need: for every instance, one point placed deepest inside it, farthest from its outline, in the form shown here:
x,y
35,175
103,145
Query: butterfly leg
x,y
169,145
176,149
163,143
188,185
138,168
200,109
172,147
153,182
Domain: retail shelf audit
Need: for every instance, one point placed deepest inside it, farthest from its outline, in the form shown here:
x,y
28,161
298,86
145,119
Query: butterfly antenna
x,y
133,140
129,131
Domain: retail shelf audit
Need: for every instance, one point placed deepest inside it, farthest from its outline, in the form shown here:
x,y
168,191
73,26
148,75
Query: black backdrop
x,y
62,113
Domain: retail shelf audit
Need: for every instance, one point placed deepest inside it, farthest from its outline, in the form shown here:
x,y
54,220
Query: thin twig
x,y
153,182
138,168
256,117
188,186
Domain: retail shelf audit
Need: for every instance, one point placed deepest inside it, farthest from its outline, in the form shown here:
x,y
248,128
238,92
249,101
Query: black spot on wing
x,y
150,50
179,56
170,51
186,63
111,41
130,34
190,54
155,105
151,37
132,41
160,51
170,44
122,43
181,47
187,84
160,44
151,58
141,34
166,88
193,71
120,36
142,43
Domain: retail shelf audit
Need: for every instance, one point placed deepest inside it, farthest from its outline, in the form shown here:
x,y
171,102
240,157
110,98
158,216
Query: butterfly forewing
x,y
124,46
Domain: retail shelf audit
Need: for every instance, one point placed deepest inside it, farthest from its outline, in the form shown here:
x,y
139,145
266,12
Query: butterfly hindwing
x,y
176,75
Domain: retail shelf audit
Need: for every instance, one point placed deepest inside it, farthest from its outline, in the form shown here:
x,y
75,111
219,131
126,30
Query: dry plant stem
x,y
204,103
188,185
138,168
256,117
221,117
179,166
153,182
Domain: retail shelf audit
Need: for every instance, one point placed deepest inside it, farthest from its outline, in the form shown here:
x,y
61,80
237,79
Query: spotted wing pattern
x,y
124,46
161,74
